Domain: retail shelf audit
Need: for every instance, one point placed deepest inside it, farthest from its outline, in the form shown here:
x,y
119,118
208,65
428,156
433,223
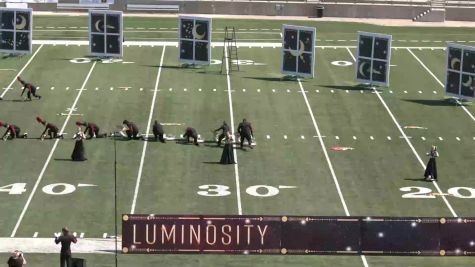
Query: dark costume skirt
x,y
431,169
79,154
228,154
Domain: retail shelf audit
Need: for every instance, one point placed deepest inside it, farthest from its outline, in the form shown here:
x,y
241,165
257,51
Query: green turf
x,y
370,176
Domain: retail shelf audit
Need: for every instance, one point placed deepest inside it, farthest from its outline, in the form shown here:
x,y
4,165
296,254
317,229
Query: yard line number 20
x,y
424,192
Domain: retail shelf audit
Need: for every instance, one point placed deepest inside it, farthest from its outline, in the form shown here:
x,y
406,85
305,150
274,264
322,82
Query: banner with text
x,y
292,235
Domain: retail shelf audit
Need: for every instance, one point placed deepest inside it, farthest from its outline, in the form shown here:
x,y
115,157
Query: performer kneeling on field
x,y
12,132
225,129
158,132
50,128
66,239
191,133
246,132
228,152
131,130
79,153
91,130
431,169
29,88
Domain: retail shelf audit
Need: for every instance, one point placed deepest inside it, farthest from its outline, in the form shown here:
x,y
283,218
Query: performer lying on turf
x,y
246,132
91,130
225,129
12,132
50,128
158,132
131,130
191,132
29,88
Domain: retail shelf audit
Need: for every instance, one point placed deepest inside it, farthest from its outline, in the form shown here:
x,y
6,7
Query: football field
x,y
325,146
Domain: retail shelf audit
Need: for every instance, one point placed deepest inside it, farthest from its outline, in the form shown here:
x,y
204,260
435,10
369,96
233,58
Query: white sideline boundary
x,y
330,165
213,44
231,114
449,206
435,77
47,245
142,159
45,166
21,71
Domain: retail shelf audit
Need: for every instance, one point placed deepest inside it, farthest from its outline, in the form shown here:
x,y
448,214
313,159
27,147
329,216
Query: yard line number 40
x,y
51,189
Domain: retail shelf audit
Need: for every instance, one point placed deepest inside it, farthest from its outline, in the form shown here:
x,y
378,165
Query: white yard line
x,y
21,71
231,115
330,165
45,166
142,159
410,144
435,77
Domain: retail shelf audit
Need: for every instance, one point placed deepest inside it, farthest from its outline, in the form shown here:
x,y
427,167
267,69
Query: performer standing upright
x,y
79,153
431,169
227,157
158,132
225,129
131,130
12,132
91,129
29,88
191,133
246,132
66,239
50,128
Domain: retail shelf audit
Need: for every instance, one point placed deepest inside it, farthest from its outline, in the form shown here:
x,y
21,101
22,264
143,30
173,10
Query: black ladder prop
x,y
232,53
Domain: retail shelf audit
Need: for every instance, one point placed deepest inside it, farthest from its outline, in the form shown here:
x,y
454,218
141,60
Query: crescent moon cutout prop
x,y
98,27
22,24
361,69
195,33
469,82
453,62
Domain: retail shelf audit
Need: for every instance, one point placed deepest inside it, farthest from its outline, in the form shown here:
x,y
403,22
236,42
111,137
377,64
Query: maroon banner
x,y
298,235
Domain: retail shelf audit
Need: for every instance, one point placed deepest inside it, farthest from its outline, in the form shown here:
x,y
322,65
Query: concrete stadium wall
x,y
460,14
372,11
284,9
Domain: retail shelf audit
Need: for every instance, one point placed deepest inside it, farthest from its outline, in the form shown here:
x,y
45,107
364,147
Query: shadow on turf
x,y
417,180
348,87
432,102
269,79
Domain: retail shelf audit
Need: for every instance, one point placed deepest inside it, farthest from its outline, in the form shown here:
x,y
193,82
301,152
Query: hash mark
x,y
458,139
354,137
440,138
389,138
303,137
337,137
423,138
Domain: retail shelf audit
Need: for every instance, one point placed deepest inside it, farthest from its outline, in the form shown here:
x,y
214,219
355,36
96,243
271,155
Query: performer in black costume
x,y
29,88
91,130
50,128
65,239
228,151
431,169
225,129
12,132
131,130
246,132
79,153
191,132
158,132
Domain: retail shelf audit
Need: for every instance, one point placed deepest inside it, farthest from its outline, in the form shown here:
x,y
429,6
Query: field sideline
x,y
296,123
